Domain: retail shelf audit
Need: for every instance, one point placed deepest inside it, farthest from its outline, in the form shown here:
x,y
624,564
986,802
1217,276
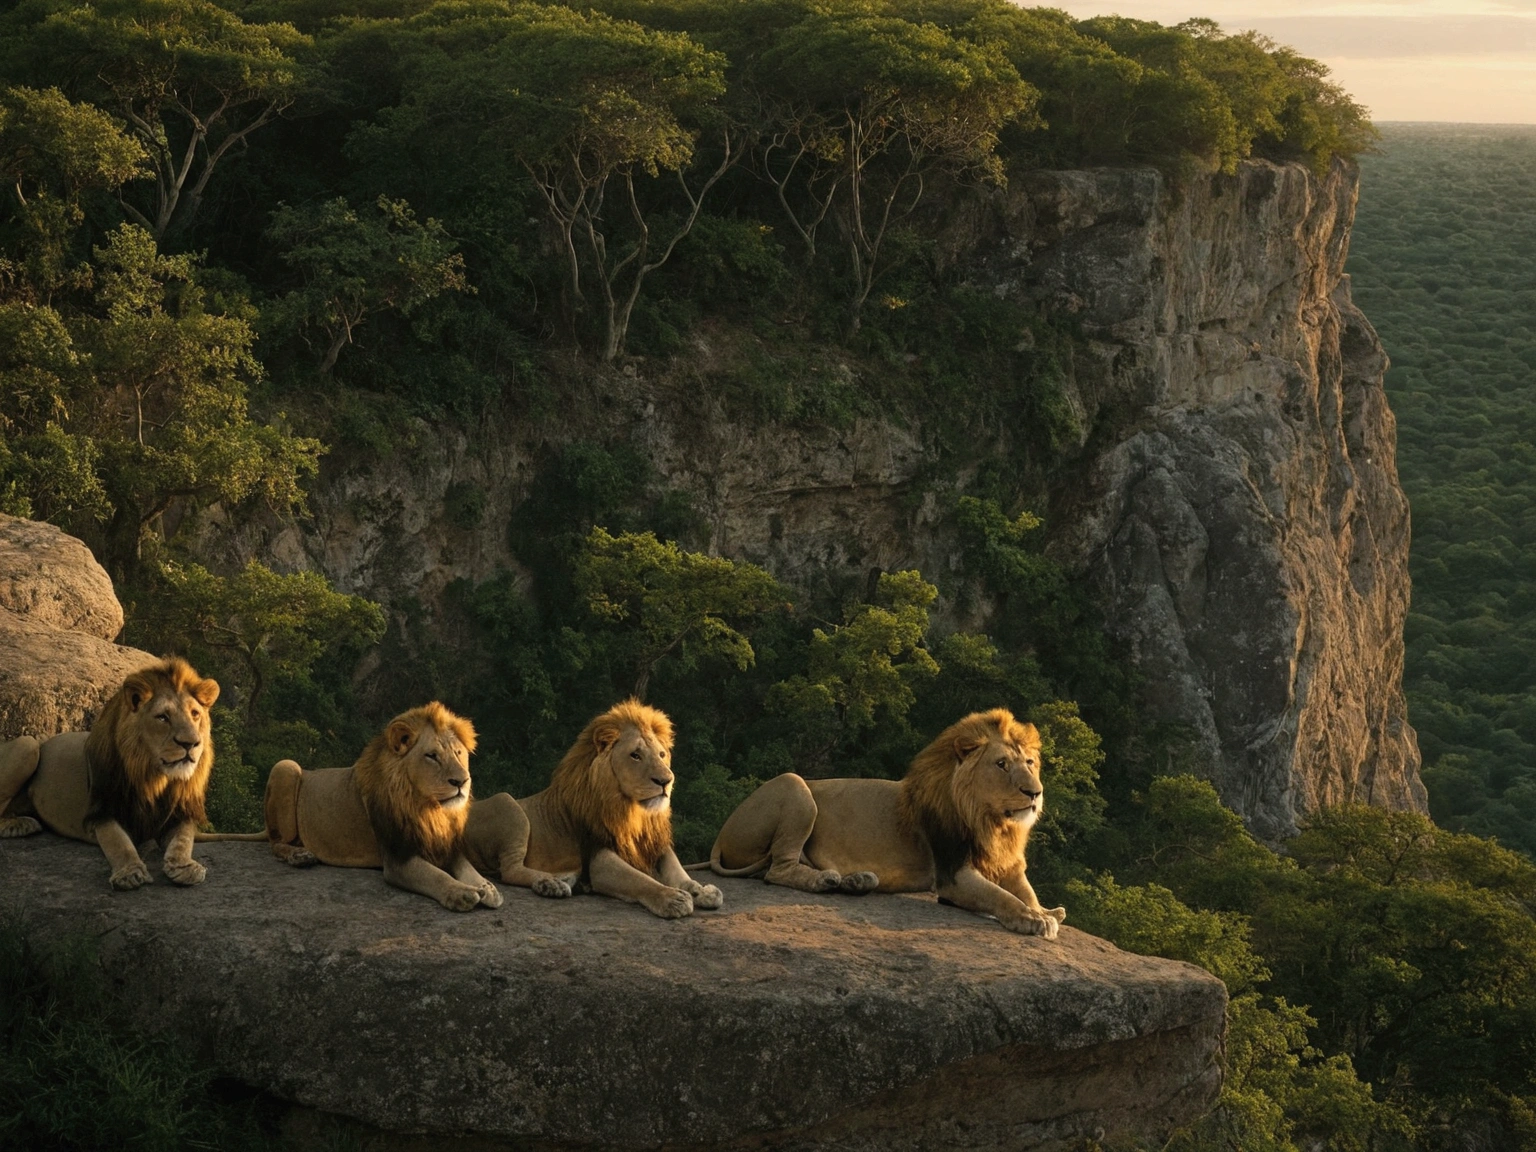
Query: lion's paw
x,y
859,883
1057,914
461,898
490,897
1032,924
130,876
706,896
827,882
302,858
185,872
671,904
553,887
13,826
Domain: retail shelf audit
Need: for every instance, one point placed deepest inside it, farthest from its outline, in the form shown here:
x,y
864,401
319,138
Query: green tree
x,y
354,265
863,670
590,108
170,411
866,110
53,153
273,624
191,79
668,603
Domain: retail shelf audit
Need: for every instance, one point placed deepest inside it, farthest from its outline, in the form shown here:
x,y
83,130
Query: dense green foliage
x,y
224,225
1444,263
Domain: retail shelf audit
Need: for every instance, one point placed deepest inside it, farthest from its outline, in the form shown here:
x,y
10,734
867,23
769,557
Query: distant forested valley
x,y
1444,263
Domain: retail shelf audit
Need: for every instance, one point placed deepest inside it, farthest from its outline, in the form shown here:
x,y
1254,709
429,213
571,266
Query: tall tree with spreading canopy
x,y
192,80
866,109
593,110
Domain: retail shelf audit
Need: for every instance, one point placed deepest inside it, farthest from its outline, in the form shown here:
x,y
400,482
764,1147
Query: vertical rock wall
x,y
1234,502
1237,506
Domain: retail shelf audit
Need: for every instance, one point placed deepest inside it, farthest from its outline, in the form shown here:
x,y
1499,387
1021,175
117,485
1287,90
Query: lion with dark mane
x,y
402,807
957,824
141,773
605,819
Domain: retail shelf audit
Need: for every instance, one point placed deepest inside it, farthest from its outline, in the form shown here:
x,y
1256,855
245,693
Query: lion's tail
x,y
252,837
756,868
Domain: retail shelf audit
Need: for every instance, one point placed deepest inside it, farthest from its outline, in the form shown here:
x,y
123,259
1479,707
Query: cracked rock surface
x,y
784,1021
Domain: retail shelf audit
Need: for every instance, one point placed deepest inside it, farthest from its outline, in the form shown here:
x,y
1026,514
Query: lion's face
x,y
169,721
435,761
1000,779
641,765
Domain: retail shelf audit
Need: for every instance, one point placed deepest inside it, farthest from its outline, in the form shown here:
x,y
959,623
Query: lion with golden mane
x,y
402,807
141,773
957,824
605,820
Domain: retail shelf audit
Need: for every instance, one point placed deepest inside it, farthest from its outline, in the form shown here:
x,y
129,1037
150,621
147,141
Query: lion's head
x,y
413,779
151,750
975,792
615,783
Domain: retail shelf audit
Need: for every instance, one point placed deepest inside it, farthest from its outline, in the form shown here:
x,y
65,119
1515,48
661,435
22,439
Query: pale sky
x,y
1458,60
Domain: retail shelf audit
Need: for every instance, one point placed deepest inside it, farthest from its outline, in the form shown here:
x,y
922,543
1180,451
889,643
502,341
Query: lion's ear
x,y
399,736
965,745
207,691
1028,735
606,736
138,692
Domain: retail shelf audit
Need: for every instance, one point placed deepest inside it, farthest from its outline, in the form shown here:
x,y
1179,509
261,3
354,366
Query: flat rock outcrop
x,y
782,1022
58,617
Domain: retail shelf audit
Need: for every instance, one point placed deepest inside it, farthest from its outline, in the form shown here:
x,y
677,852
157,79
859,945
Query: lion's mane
x,y
936,803
124,780
594,805
406,822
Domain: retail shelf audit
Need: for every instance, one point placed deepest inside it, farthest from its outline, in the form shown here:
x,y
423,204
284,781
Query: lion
x,y
605,820
402,807
141,773
957,824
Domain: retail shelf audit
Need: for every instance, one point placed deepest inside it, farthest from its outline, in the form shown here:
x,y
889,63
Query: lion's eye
x,y
164,716
635,755
431,755
1003,764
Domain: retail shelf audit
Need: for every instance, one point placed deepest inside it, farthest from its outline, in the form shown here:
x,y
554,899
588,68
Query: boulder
x,y
51,578
58,616
784,1021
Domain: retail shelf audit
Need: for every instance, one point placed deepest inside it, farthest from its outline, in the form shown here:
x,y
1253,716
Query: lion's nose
x,y
1032,795
458,781
188,745
662,780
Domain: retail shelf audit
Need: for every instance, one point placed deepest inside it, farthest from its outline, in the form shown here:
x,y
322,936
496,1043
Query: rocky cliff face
x,y
1238,508
1234,501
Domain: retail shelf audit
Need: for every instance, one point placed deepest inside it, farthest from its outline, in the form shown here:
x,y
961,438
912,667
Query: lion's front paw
x,y
489,896
184,872
1031,924
460,898
705,896
553,887
302,858
858,883
130,876
827,882
1057,914
670,904
13,826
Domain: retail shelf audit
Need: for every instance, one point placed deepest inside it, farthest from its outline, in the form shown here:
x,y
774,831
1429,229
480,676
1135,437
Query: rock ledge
x,y
783,1022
